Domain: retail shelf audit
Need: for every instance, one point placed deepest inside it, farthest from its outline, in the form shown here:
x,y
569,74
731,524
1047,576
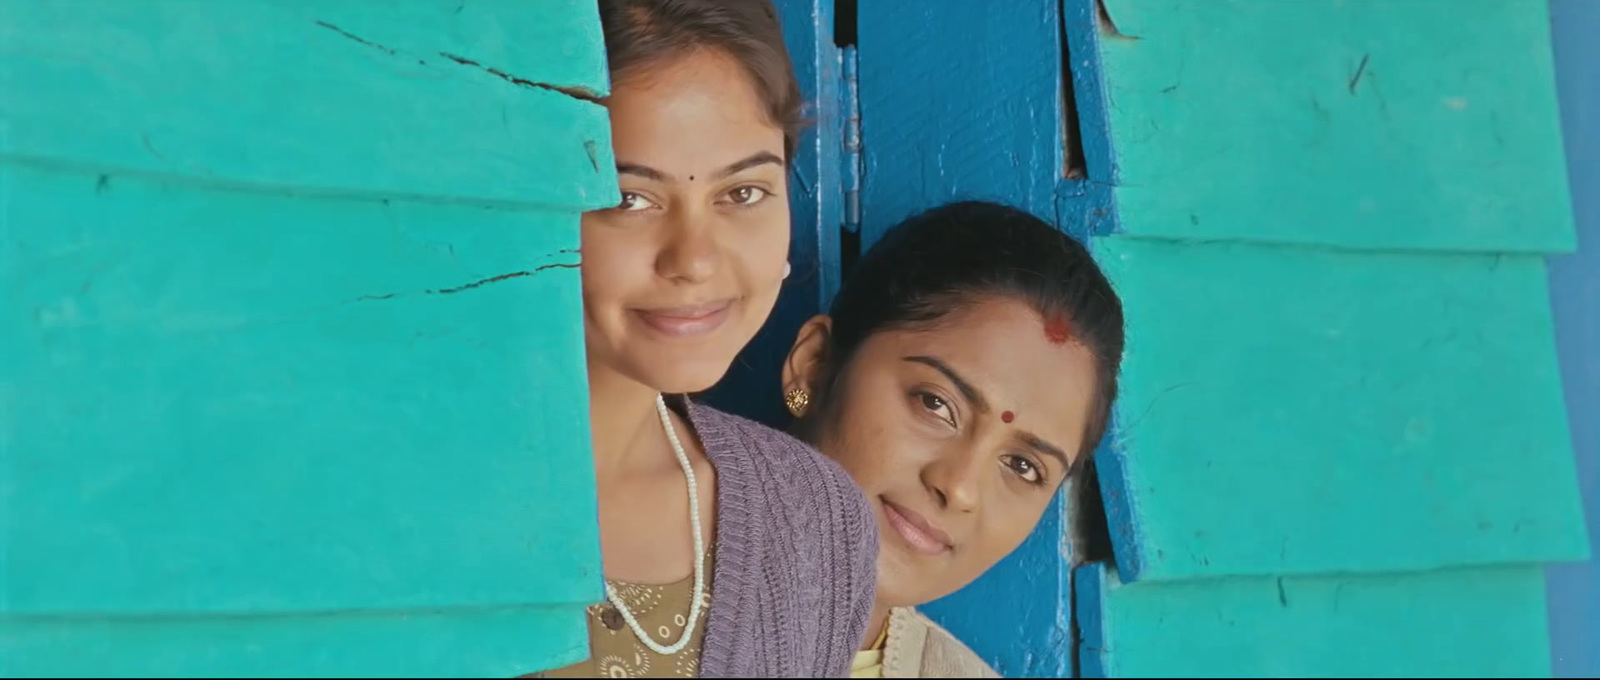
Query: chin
x,y
901,581
899,589
909,579
685,377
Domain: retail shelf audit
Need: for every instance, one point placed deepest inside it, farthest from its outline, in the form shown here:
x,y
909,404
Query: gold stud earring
x,y
797,400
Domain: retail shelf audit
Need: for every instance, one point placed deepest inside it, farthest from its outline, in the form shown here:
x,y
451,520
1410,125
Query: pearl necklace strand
x,y
699,551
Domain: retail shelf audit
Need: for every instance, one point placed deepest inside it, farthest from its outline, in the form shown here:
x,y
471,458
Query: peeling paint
x,y
1107,25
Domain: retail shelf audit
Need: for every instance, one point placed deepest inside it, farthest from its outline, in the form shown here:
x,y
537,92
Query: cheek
x,y
1008,520
760,246
867,441
611,261
843,441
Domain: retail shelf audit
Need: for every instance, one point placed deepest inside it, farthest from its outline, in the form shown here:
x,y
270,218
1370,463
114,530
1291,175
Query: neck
x,y
876,624
622,418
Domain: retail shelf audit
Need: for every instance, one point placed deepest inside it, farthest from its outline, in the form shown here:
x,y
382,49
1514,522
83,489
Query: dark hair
x,y
640,33
933,262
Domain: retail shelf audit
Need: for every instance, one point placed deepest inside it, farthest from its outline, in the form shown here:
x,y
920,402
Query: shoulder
x,y
931,650
726,434
803,481
818,533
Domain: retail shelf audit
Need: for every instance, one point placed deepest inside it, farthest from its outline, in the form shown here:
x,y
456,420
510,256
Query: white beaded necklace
x,y
699,551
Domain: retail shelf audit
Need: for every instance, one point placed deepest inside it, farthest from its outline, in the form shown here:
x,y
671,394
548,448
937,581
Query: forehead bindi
x,y
1057,330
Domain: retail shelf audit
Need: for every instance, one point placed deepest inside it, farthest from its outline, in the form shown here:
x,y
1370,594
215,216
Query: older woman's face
x,y
959,432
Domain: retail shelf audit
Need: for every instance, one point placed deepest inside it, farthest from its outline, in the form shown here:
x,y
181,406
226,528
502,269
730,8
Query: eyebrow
x,y
1046,448
973,395
644,171
967,390
756,159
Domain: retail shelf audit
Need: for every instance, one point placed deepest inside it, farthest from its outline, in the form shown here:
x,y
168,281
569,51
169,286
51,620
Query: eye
x,y
747,195
632,202
938,407
1024,468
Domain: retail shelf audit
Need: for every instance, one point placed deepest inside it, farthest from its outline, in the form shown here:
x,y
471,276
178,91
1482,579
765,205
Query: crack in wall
x,y
475,284
579,93
390,50
574,92
1360,71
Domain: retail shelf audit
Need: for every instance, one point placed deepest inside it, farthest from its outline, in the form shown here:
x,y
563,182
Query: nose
x,y
956,480
689,253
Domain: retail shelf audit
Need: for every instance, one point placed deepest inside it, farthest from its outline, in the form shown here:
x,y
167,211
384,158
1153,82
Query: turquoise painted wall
x,y
1341,446
291,366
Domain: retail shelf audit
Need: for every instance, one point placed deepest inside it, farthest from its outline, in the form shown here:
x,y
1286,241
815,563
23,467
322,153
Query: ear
x,y
807,357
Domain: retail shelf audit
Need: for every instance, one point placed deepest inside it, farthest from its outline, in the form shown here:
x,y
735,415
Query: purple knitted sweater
x,y
796,556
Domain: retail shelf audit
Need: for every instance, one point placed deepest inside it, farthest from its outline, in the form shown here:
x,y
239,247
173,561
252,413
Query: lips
x,y
917,532
687,320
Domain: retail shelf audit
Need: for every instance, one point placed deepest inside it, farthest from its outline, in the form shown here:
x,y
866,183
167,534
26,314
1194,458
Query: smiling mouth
x,y
917,532
686,321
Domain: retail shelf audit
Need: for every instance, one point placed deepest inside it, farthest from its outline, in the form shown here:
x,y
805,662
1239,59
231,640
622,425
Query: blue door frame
x,y
1574,589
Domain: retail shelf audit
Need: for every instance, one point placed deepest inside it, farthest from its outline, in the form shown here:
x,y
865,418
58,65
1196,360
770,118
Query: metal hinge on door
x,y
850,107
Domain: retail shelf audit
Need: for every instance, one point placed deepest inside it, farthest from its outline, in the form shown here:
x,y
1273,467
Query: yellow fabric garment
x,y
869,662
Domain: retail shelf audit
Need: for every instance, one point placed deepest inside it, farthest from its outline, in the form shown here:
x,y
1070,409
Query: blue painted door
x,y
291,360
1574,589
881,72
992,101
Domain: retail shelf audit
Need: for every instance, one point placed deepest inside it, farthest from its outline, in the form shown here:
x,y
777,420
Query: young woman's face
x,y
680,275
959,433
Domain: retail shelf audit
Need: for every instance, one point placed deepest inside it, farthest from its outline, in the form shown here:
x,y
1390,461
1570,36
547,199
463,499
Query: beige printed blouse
x,y
614,650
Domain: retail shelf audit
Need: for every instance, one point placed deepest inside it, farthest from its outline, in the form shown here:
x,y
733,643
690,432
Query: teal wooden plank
x,y
274,94
488,643
550,42
236,403
1426,124
1461,623
1359,412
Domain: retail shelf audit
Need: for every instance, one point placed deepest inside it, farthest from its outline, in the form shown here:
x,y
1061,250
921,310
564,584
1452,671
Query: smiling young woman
x,y
965,370
729,549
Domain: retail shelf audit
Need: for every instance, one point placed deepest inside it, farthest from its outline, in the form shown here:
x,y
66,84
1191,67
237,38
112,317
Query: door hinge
x,y
851,110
